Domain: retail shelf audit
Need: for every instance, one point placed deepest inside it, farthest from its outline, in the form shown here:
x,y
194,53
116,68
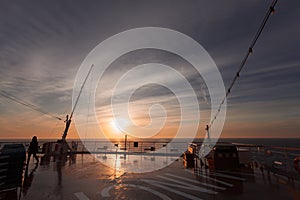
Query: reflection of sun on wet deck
x,y
81,176
209,185
88,179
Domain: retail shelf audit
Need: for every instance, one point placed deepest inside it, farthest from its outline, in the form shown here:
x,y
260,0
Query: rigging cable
x,y
88,114
24,103
80,91
249,51
69,118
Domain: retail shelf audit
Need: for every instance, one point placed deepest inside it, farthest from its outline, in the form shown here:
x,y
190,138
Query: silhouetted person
x,y
33,149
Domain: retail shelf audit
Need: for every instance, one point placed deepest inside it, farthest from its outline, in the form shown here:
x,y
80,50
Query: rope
x,y
242,65
24,103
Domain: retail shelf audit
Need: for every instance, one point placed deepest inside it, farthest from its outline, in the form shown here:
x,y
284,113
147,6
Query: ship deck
x,y
86,178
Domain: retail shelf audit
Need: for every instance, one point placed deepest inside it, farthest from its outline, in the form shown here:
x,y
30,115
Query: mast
x,y
69,119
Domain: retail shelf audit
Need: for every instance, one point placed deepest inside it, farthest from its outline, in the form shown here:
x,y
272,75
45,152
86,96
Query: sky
x,y
43,44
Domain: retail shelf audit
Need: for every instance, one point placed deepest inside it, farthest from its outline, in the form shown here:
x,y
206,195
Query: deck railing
x,y
277,160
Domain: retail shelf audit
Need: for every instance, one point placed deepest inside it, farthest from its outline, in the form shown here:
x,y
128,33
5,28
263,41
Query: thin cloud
x,y
44,43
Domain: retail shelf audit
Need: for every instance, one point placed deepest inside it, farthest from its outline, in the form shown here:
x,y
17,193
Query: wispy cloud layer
x,y
42,45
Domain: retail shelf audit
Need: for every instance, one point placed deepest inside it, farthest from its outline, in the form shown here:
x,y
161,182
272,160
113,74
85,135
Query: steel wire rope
x,y
27,104
249,51
88,114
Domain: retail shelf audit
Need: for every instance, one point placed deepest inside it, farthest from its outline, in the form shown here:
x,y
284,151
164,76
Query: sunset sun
x,y
118,125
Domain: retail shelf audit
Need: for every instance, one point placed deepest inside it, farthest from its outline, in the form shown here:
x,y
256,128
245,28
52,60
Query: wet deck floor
x,y
89,179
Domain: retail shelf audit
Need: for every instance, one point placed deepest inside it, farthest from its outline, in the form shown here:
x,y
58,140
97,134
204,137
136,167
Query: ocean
x,y
278,142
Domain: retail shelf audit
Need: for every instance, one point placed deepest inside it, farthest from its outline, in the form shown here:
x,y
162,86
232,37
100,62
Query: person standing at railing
x,y
33,149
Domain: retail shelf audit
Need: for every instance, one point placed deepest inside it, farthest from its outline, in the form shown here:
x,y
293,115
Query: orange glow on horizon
x,y
24,125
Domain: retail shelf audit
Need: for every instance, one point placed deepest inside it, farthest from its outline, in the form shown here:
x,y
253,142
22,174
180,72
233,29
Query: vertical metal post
x,y
208,134
125,142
